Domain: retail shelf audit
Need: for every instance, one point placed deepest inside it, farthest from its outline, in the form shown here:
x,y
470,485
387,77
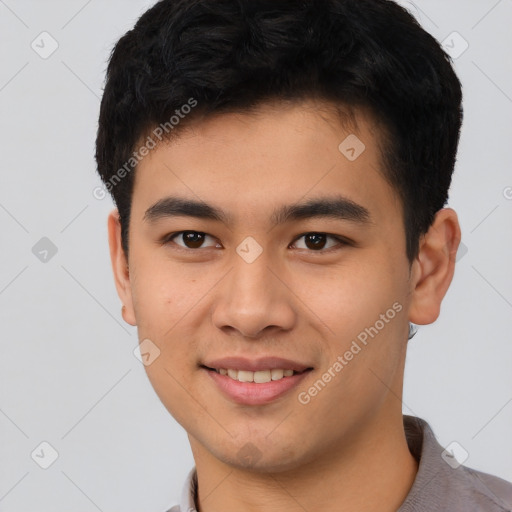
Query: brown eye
x,y
318,241
315,241
191,239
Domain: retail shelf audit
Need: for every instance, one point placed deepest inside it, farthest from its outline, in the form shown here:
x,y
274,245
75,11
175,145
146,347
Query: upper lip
x,y
254,365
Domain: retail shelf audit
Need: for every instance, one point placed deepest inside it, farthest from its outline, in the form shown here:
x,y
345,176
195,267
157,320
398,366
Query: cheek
x,y
350,296
362,353
164,293
363,306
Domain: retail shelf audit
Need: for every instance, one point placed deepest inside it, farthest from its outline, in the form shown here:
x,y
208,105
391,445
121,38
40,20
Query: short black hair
x,y
205,57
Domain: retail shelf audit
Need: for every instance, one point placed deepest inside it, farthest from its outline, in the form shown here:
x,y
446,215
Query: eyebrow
x,y
338,208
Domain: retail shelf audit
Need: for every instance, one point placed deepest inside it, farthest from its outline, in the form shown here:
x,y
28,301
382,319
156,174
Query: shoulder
x,y
488,492
442,483
459,490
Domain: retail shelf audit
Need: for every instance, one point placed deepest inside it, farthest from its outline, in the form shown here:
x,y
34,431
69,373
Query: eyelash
x,y
341,241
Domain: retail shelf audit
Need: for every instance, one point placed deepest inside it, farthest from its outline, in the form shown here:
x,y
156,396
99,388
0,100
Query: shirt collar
x,y
189,492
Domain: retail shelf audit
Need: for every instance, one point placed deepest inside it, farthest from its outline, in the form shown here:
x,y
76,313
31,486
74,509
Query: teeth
x,y
260,377
277,374
244,376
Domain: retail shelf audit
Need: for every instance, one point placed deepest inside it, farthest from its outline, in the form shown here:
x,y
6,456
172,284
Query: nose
x,y
253,301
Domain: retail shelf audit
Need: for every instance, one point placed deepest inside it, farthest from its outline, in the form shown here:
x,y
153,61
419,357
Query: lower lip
x,y
250,393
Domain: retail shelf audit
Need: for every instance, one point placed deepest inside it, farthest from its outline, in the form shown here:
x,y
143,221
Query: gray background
x,y
68,373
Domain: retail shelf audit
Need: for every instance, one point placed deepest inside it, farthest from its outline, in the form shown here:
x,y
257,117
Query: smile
x,y
259,386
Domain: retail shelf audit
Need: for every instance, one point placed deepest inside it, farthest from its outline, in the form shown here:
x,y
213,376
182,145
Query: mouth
x,y
258,382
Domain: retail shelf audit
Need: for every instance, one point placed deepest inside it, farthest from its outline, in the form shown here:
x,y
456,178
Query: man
x,y
280,171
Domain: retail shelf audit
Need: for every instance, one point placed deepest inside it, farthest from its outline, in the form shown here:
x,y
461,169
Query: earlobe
x,y
120,268
434,267
127,319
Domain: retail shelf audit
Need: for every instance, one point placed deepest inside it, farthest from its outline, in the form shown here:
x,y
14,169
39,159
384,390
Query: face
x,y
258,243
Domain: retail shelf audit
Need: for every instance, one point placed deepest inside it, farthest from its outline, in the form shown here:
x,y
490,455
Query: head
x,y
306,149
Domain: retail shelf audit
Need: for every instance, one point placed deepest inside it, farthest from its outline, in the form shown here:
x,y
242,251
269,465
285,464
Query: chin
x,y
260,455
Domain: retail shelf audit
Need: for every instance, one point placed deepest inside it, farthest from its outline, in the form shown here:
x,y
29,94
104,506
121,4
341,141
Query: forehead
x,y
247,163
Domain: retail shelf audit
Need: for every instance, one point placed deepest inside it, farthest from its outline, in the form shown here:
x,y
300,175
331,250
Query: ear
x,y
434,267
120,267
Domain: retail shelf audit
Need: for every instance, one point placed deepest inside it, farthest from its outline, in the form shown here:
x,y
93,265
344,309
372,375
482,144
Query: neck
x,y
371,471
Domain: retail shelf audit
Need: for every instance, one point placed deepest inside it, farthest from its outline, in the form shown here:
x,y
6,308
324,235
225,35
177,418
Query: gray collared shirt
x,y
441,484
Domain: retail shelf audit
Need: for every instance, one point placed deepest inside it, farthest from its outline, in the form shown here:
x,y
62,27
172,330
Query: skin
x,y
346,448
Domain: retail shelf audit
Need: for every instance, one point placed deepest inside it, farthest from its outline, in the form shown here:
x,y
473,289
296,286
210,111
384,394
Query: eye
x,y
318,241
190,239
